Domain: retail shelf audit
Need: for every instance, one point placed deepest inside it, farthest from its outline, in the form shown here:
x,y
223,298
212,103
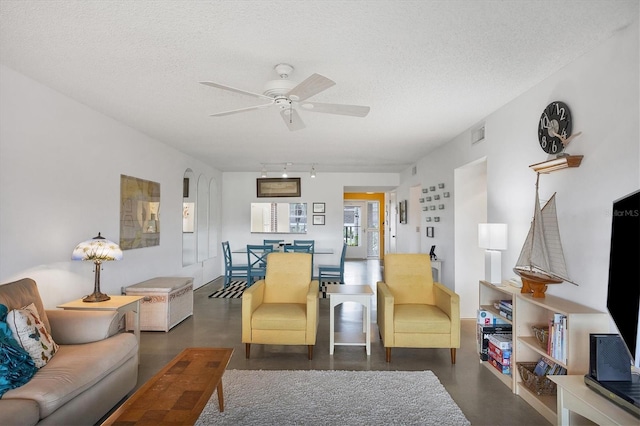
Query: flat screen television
x,y
623,294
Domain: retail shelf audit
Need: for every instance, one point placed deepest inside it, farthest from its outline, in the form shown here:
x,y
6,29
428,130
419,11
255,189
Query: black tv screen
x,y
623,294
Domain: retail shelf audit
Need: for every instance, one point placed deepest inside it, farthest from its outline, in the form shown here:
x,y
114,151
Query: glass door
x,y
361,229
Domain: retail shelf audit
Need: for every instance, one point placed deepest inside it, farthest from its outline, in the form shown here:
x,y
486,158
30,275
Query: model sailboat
x,y
541,260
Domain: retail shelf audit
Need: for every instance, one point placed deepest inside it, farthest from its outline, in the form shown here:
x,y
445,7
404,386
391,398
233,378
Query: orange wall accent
x,y
379,196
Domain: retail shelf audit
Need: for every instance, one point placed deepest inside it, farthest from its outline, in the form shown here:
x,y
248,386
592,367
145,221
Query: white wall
x,y
239,191
602,90
60,167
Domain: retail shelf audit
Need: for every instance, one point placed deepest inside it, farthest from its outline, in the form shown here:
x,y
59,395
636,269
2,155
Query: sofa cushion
x,y
16,365
420,319
23,412
21,293
30,332
280,316
73,370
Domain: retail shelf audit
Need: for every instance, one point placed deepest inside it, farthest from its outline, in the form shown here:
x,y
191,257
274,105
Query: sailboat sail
x,y
542,251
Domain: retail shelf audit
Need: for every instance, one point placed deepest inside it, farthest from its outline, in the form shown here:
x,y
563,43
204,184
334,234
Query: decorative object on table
x,y
318,219
402,207
139,213
492,237
278,187
286,94
430,230
98,249
318,207
541,261
554,134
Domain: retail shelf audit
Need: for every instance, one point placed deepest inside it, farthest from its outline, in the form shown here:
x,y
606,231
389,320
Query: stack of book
x,y
546,367
500,352
486,331
505,308
557,346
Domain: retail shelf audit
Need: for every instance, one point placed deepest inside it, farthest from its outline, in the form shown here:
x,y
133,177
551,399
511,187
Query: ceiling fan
x,y
285,93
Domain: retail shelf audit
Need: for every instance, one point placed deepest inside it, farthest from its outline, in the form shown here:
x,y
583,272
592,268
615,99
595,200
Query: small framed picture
x,y
318,208
432,207
430,231
421,200
318,219
436,197
436,219
441,206
425,208
428,198
425,190
428,219
446,195
432,188
441,185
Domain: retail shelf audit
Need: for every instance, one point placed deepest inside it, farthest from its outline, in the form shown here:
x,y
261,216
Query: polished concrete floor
x,y
217,323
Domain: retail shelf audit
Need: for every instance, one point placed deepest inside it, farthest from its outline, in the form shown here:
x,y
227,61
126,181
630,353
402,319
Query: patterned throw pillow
x,y
31,334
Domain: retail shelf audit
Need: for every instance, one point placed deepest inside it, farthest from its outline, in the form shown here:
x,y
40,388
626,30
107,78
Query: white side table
x,y
340,293
117,303
575,398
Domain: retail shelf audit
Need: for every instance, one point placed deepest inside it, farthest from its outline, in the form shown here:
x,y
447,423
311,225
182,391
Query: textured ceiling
x,y
428,69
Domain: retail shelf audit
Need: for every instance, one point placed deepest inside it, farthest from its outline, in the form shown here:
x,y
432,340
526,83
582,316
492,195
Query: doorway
x,y
361,229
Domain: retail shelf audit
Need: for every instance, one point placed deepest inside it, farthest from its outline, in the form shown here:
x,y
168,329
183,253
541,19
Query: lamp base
x,y
96,296
493,266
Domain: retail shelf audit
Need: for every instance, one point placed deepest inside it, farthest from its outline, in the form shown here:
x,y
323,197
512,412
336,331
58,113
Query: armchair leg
x,y
388,354
453,355
310,349
247,350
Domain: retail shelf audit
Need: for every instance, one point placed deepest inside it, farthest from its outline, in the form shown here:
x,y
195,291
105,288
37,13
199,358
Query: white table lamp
x,y
492,237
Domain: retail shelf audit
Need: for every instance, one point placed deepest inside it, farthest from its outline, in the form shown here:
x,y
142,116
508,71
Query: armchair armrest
x,y
251,299
449,302
77,327
313,307
385,305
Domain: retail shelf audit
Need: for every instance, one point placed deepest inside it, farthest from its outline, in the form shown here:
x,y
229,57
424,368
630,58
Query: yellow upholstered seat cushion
x,y
420,319
280,316
409,278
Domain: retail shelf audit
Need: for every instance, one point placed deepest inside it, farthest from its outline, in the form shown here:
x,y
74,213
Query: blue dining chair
x,y
300,249
257,261
272,242
230,270
309,243
333,272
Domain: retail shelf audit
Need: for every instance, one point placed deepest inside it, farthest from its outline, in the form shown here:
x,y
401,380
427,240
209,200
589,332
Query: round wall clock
x,y
554,127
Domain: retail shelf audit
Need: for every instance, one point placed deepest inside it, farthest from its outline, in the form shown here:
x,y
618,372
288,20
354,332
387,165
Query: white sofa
x,y
95,366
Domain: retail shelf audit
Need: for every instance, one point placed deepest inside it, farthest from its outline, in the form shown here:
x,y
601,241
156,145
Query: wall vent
x,y
477,134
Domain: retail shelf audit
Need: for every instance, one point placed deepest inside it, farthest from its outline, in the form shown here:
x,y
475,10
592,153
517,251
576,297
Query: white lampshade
x,y
97,248
492,236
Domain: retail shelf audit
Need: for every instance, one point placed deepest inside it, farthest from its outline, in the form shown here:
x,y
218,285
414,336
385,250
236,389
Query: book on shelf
x,y
557,345
503,356
547,367
482,337
502,341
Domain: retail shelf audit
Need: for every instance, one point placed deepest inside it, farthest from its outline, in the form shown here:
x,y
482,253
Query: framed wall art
x,y
430,231
402,210
318,208
278,187
318,219
139,213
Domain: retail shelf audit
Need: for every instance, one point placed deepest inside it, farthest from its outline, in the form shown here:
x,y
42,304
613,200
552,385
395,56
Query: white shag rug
x,y
290,397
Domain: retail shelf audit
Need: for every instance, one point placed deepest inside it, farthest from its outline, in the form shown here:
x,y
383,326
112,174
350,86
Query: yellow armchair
x,y
282,309
413,310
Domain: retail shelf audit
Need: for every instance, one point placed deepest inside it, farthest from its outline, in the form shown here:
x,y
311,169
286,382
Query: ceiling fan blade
x,y
340,109
235,111
292,119
309,87
233,89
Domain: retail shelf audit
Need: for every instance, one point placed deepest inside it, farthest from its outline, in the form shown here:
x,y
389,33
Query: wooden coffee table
x,y
178,392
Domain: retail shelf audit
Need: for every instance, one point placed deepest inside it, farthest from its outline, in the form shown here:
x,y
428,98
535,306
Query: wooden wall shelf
x,y
557,164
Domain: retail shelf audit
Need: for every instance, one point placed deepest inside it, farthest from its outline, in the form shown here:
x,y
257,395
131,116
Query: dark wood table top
x,y
177,393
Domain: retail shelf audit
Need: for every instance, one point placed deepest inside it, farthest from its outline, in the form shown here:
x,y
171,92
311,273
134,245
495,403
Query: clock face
x,y
554,126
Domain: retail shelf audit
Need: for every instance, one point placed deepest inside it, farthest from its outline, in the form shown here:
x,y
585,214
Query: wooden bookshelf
x,y
527,312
